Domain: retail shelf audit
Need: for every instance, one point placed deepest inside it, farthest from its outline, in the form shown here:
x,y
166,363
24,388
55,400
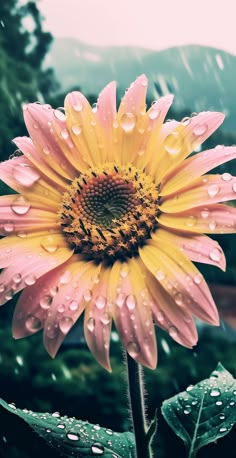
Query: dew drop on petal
x,y
87,295
45,302
17,278
91,324
212,225
33,323
65,324
173,143
61,308
234,186
200,129
133,349
204,214
186,121
215,254
187,410
100,302
160,275
52,331
20,206
59,115
9,227
78,106
173,332
64,134
105,318
46,150
197,279
223,429
25,174
128,121
131,302
215,392
61,426
73,436
213,190
226,176
153,113
48,244
191,221
30,280
124,270
65,277
76,129
120,299
219,403
73,305
178,298
160,317
97,449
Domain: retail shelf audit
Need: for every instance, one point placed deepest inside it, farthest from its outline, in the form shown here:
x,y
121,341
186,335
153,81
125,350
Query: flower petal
x,y
19,174
180,278
198,248
206,190
41,122
214,219
19,214
132,312
197,165
25,260
179,143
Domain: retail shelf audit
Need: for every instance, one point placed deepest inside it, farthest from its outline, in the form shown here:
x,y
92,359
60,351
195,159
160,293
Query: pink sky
x,y
149,23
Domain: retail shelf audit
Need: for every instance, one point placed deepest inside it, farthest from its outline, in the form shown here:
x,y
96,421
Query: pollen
x,y
109,212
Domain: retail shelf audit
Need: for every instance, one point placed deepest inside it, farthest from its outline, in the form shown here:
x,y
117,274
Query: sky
x,y
151,24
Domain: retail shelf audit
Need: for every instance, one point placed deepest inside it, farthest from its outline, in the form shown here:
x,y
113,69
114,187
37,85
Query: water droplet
x,y
133,349
56,414
197,279
48,244
213,190
61,308
222,417
120,299
187,410
65,277
173,332
64,134
78,106
105,319
109,431
191,221
186,121
17,278
204,214
45,302
76,129
173,143
73,436
65,323
160,317
21,234
226,176
2,287
25,174
153,113
127,122
189,388
61,426
30,280
87,295
46,150
215,254
20,206
33,323
219,403
223,429
179,299
12,405
91,324
131,302
100,302
59,115
97,449
160,275
212,225
200,129
73,305
234,187
52,331
215,392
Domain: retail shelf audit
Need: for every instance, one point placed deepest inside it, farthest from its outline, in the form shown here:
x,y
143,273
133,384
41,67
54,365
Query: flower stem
x,y
143,432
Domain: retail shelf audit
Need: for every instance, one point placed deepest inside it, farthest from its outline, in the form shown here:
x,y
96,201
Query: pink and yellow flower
x,y
110,212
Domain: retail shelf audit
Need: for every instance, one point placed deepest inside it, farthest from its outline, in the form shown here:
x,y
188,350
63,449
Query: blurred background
x,y
48,48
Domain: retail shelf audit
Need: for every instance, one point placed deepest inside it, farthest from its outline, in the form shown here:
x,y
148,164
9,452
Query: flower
x,y
109,214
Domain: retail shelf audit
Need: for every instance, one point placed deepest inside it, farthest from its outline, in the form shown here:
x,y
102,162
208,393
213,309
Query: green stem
x,y
143,433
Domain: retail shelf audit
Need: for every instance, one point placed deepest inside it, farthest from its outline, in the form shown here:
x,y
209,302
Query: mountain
x,y
202,78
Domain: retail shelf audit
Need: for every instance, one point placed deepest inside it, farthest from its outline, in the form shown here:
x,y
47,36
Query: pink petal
x,y
132,312
106,107
19,214
180,278
28,259
42,123
19,174
197,165
179,143
213,219
198,248
98,319
134,100
206,190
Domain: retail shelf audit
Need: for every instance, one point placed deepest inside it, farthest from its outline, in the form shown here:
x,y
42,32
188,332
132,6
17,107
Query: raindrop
x,y
226,176
73,437
124,270
33,323
87,295
204,214
65,324
91,324
46,150
97,427
215,392
219,403
127,122
52,331
12,406
17,278
48,244
131,302
9,227
189,388
200,129
191,221
173,332
65,277
173,143
109,431
45,302
73,305
213,190
20,206
197,279
64,134
179,299
187,410
30,280
223,429
215,254
25,174
160,275
186,121
234,187
97,449
153,113
59,115
105,319
61,426
56,414
160,317
222,417
133,349
76,129
61,308
212,225
78,106
120,299
21,234
100,302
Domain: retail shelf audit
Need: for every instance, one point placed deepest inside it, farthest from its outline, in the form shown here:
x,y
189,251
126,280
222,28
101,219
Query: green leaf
x,y
204,412
69,436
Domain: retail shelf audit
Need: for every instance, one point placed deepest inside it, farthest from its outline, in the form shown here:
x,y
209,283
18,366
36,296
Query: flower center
x,y
108,212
